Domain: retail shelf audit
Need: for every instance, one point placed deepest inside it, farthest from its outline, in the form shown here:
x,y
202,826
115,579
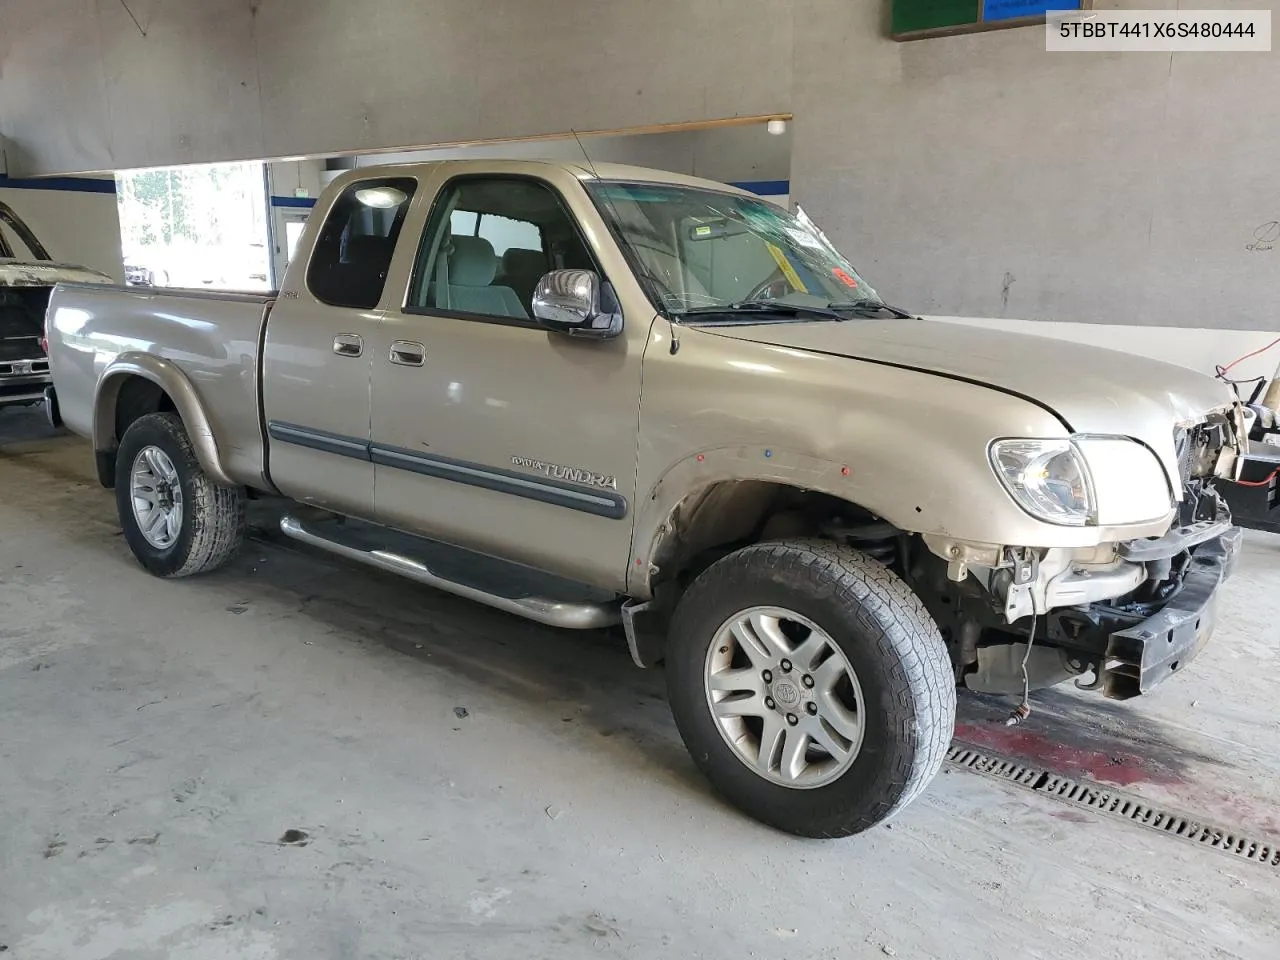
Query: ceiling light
x,y
384,198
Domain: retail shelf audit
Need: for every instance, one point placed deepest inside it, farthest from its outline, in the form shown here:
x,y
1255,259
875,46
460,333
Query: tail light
x,y
44,344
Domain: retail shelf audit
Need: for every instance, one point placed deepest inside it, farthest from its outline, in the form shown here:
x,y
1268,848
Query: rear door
x,y
317,357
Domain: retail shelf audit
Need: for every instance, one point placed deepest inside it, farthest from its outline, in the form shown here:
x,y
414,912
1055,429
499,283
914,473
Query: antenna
x,y
639,266
581,147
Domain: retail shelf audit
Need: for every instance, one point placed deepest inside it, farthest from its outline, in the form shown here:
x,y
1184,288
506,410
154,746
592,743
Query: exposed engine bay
x,y
1125,615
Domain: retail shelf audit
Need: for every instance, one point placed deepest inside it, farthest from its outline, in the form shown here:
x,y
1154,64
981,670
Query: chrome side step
x,y
479,578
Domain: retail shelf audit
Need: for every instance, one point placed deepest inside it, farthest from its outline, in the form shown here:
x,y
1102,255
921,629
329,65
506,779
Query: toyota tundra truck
x,y
592,396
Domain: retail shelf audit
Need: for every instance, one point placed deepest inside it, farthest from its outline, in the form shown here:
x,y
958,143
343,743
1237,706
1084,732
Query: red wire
x,y
1258,483
1222,371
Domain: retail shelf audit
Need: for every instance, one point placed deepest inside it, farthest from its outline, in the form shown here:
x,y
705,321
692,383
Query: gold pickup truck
x,y
598,395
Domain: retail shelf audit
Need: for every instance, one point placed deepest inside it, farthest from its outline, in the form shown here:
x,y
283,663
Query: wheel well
x,y
732,514
135,397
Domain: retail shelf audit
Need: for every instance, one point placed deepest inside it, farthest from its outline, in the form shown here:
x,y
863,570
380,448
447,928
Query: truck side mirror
x,y
577,302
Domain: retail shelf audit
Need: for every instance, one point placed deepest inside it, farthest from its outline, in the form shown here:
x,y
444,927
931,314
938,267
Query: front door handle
x,y
348,345
408,353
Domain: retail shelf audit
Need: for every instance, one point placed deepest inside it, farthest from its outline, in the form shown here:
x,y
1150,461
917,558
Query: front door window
x,y
489,242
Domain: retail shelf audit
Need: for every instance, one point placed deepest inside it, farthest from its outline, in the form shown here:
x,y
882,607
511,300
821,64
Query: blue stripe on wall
x,y
71,184
305,202
765,188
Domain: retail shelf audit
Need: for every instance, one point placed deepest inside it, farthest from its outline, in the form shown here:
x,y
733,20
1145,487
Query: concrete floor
x,y
468,785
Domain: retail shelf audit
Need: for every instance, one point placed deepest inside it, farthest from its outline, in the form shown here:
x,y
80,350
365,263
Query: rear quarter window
x,y
348,266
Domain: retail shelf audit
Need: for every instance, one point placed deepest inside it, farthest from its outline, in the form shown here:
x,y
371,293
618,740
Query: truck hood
x,y
1090,389
45,273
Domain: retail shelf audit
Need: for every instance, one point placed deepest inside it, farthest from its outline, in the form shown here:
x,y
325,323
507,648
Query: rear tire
x,y
204,526
871,695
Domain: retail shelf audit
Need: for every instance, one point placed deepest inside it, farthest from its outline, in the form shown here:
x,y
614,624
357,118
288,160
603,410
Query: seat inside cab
x,y
501,237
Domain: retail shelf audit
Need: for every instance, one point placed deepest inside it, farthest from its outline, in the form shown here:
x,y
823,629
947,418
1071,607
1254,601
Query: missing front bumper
x,y
1146,654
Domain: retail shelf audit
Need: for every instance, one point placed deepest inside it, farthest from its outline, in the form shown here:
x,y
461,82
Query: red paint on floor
x,y
1021,743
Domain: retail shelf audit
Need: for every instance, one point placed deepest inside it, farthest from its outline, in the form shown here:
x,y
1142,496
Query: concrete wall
x,y
197,80
967,175
980,175
731,154
75,225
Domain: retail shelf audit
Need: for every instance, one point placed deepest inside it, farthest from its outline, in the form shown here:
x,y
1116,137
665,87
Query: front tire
x,y
810,686
176,520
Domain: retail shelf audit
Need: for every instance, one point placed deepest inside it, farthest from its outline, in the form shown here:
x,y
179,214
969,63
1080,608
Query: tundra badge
x,y
570,474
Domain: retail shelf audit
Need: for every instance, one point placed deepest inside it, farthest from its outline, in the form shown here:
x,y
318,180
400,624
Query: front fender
x,y
905,445
166,375
698,472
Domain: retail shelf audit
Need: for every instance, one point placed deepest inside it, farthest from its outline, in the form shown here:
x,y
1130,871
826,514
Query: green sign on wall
x,y
916,19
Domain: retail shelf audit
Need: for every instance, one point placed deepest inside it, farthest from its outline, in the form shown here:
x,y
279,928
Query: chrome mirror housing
x,y
577,303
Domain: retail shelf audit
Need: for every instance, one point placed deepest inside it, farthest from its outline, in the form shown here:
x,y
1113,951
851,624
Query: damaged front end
x,y
1129,613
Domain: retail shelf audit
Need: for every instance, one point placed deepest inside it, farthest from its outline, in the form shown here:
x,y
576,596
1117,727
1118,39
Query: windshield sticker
x,y
787,269
804,239
843,277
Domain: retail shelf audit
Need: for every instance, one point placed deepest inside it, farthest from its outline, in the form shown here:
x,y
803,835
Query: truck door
x,y
487,430
317,354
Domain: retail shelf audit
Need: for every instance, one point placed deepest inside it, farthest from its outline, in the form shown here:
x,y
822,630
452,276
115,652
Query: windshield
x,y
699,250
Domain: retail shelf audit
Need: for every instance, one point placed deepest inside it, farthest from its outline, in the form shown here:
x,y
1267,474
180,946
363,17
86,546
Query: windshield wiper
x,y
869,307
762,306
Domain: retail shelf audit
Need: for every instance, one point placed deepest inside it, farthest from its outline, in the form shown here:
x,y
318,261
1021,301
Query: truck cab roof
x,y
581,170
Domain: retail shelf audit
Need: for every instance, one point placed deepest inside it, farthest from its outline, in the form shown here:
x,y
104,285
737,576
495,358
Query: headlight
x,y
1048,479
1084,480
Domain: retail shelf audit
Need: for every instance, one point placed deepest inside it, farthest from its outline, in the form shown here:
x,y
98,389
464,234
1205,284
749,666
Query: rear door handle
x,y
348,345
408,353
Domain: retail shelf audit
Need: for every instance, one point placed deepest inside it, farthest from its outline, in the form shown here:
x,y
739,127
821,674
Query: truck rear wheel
x,y
811,686
176,520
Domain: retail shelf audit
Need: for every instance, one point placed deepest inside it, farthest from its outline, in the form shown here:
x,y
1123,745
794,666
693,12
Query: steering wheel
x,y
772,288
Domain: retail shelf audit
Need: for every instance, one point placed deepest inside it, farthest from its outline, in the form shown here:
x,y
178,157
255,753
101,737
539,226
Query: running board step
x,y
496,583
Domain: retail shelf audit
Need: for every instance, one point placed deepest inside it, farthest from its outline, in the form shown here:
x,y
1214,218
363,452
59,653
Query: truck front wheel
x,y
176,520
811,686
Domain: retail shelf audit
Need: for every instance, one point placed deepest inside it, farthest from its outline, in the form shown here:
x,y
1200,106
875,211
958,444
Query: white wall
x,y
74,226
1196,348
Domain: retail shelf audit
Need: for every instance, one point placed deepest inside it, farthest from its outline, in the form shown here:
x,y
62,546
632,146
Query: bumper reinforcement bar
x,y
1142,656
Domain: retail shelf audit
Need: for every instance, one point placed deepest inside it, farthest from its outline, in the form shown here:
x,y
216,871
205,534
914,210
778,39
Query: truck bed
x,y
214,339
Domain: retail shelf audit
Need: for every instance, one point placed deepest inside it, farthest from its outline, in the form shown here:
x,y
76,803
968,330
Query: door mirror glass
x,y
576,302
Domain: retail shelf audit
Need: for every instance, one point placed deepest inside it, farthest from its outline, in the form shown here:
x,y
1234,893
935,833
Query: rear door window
x,y
349,264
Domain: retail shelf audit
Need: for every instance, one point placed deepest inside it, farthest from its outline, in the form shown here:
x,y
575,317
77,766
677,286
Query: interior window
x,y
349,264
489,242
